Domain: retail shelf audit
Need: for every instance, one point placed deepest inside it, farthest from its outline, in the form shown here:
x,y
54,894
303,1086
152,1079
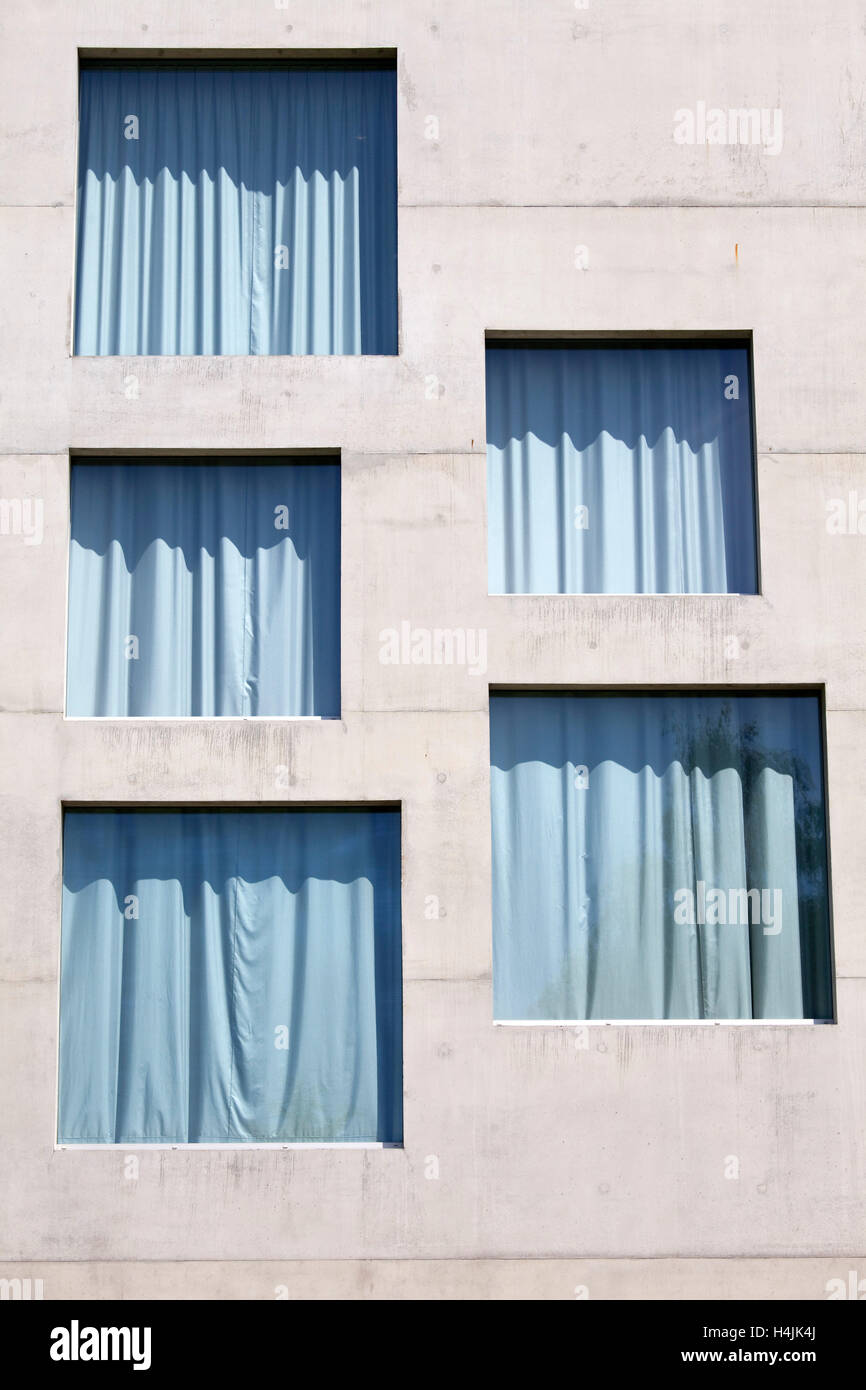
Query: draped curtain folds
x,y
231,976
620,470
236,211
605,808
204,589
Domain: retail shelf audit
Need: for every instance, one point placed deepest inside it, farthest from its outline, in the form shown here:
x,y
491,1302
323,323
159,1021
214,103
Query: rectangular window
x,y
620,468
659,857
231,977
236,209
204,588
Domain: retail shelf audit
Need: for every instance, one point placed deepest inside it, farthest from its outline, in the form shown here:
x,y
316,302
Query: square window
x,y
204,588
620,468
243,208
659,857
231,977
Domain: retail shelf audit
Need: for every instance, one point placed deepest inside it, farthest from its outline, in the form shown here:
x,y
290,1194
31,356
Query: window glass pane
x,y
236,211
204,589
231,976
620,470
659,856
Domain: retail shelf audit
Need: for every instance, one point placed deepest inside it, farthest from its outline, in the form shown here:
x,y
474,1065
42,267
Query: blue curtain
x,y
659,857
231,976
180,227
620,470
204,589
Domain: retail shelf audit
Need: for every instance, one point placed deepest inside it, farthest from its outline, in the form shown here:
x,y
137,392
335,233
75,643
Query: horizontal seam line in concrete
x,y
634,207
349,454
143,722
553,207
448,979
28,979
135,725
408,979
29,713
453,451
421,1259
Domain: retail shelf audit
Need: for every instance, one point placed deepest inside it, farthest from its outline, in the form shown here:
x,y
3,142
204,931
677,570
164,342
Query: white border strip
x,y
200,718
192,1148
659,1022
604,593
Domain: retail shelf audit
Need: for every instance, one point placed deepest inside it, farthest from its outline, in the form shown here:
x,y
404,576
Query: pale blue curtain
x,y
180,228
627,830
231,976
620,469
205,588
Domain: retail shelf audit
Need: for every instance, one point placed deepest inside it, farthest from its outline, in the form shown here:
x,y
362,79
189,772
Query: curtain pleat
x,y
189,597
611,814
231,976
253,212
620,470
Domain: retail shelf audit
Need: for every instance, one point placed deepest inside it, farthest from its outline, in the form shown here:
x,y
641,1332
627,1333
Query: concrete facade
x,y
564,1170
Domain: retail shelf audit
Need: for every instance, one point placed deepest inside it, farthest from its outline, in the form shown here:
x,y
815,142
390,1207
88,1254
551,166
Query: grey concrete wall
x,y
560,1166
